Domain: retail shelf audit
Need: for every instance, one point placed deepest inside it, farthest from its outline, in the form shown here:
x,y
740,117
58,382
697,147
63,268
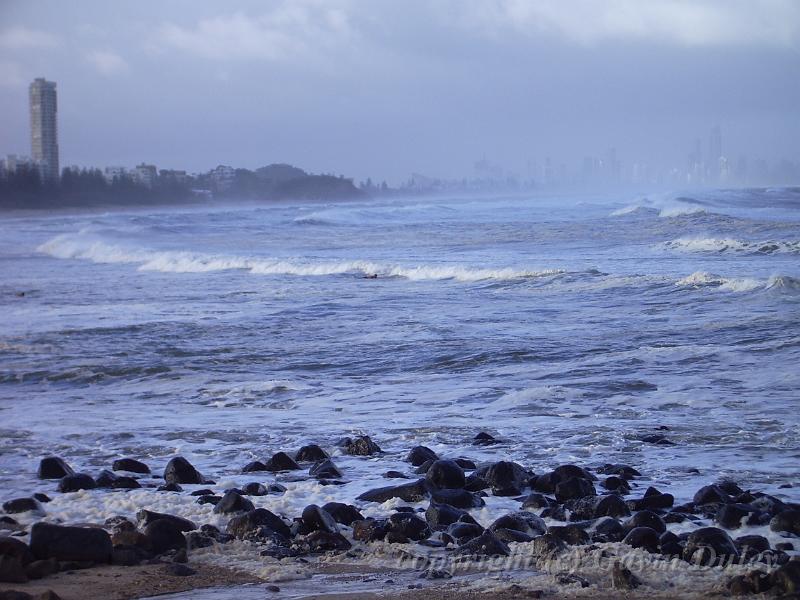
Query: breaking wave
x,y
778,283
69,246
720,245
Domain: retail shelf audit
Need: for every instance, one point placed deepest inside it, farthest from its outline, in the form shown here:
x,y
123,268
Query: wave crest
x,y
720,245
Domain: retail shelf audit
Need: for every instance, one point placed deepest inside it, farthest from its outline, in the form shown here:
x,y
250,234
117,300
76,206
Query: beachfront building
x,y
44,127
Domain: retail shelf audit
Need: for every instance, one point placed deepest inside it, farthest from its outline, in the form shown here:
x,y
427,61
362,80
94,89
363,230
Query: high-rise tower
x,y
44,129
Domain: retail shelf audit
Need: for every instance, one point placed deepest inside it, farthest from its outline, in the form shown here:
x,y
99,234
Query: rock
x,y
108,479
786,578
436,574
20,505
445,474
281,461
318,519
395,475
164,535
13,547
512,535
785,546
441,516
457,498
567,578
548,546
754,582
90,544
178,570
646,518
523,521
461,532
409,492
573,488
145,517
486,544
484,439
768,504
610,506
180,556
419,455
370,530
53,467
466,464
652,500
537,500
130,465
39,569
642,537
311,453
710,494
624,471
233,502
360,446
257,524
212,499
786,521
326,541
669,544
751,546
409,526
180,470
423,468
709,546
616,484
730,516
255,489
42,497
607,529
622,578
12,570
254,467
475,483
276,488
343,513
564,472
656,438
572,535
75,483
325,469
170,487
504,477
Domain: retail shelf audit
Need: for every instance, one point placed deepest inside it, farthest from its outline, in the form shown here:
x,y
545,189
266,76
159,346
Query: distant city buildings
x,y
145,175
44,127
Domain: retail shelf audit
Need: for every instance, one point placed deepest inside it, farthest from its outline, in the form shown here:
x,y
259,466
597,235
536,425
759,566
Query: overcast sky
x,y
387,88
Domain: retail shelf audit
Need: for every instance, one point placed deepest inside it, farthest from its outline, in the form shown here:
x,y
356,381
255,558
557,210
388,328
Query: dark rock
x,y
360,446
548,546
441,516
254,467
786,578
573,488
656,438
311,453
12,570
436,574
53,467
369,530
486,544
212,499
523,521
484,439
180,556
145,517
624,471
610,506
669,544
281,461
163,535
642,537
343,513
15,548
108,479
39,569
646,518
419,455
131,465
255,489
785,546
474,483
318,519
257,524
20,505
180,470
504,477
457,498
512,535
607,529
754,582
572,535
623,579
709,546
77,482
652,500
616,484
730,516
768,504
326,541
711,494
70,543
276,488
445,474
462,532
788,521
42,497
233,502
178,570
537,500
564,472
409,492
170,487
465,464
325,469
409,526
395,475
751,546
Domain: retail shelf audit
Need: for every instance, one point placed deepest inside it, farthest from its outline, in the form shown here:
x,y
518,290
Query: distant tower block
x,y
44,127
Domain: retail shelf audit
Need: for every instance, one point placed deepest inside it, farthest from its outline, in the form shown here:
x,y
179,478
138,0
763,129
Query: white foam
x,y
732,284
680,211
718,245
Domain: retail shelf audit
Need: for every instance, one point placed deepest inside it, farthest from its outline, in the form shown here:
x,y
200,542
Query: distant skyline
x,y
383,90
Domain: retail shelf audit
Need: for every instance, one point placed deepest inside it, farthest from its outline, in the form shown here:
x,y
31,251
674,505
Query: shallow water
x,y
567,326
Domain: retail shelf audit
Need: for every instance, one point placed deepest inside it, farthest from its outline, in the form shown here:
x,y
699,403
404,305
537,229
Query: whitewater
x,y
570,327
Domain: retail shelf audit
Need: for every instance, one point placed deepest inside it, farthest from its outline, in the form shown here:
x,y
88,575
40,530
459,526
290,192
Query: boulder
x,y
607,529
130,465
441,516
83,544
254,467
642,537
445,474
280,461
732,516
15,559
40,569
233,502
572,535
574,488
624,471
710,494
108,479
370,530
343,513
409,526
20,505
75,483
180,470
484,439
457,498
504,477
786,578
523,521
311,453
646,518
360,446
318,519
622,578
548,546
787,521
419,455
163,535
709,546
145,517
486,544
53,467
257,524
255,489
409,492
537,500
610,506
326,541
325,469
461,532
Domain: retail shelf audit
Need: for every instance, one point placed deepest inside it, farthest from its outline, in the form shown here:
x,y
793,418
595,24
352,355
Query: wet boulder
x,y
180,470
564,472
732,516
233,502
404,526
15,560
82,544
419,455
280,461
257,524
457,498
504,477
652,500
441,516
254,467
646,518
164,535
21,505
326,541
786,578
255,489
318,519
625,472
130,465
360,446
53,467
523,521
548,546
486,544
343,513
574,488
607,529
77,482
475,483
709,546
787,521
642,537
754,582
461,532
311,453
610,506
622,578
409,492
325,469
445,474
110,480
484,439
370,530
537,500
572,535
710,494
170,487
616,484
145,517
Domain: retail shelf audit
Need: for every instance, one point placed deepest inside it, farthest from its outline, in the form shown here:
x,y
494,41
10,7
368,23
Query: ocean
x,y
572,328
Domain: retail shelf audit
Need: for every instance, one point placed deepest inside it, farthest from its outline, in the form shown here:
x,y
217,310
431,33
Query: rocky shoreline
x,y
574,531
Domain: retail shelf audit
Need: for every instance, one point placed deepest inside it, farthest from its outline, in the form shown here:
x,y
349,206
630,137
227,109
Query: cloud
x,y
681,22
106,62
10,74
17,38
296,29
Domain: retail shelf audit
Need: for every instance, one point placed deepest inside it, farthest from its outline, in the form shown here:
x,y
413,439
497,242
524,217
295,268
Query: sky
x,y
384,89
